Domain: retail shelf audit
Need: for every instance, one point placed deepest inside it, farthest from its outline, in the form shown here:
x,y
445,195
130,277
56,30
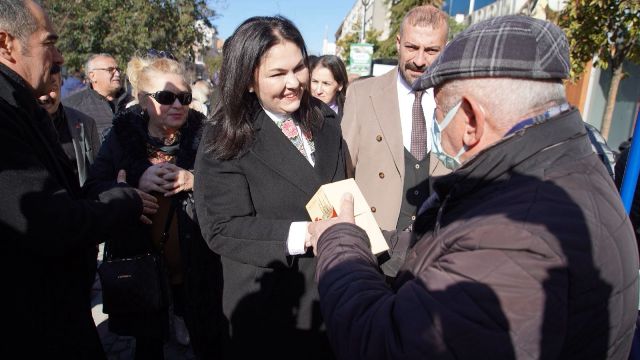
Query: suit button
x,y
379,138
413,217
417,166
381,175
373,209
416,192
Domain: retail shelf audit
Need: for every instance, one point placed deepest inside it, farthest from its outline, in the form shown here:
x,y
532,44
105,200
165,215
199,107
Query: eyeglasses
x,y
166,97
110,69
153,53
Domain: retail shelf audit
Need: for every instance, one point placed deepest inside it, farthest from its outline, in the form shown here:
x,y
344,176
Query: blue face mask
x,y
450,162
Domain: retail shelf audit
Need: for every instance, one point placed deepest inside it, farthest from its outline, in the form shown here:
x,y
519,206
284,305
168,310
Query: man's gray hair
x,y
17,20
87,65
507,100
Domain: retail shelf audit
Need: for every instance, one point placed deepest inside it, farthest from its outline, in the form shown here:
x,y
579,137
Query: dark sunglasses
x,y
153,53
166,97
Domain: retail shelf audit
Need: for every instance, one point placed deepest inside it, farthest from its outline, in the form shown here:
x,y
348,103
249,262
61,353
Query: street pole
x,y
364,3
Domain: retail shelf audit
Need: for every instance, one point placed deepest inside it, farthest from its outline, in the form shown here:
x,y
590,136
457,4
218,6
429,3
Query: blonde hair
x,y
140,71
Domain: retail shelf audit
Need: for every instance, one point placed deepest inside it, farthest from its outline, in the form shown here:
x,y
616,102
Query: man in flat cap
x,y
524,251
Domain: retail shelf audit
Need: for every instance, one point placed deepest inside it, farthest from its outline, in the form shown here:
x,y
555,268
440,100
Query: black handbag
x,y
137,284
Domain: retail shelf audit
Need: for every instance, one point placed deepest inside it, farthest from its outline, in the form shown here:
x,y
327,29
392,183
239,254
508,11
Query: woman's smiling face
x,y
281,78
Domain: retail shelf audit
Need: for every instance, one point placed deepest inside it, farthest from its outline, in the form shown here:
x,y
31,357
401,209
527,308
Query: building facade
x,y
377,17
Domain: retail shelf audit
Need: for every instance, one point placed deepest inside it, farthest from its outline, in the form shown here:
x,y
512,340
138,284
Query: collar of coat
x,y
15,91
517,153
526,152
122,97
130,127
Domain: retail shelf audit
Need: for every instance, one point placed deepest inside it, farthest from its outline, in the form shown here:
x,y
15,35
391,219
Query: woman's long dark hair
x,y
339,72
241,55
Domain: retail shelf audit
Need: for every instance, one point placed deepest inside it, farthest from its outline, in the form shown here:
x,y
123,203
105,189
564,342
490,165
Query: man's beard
x,y
410,66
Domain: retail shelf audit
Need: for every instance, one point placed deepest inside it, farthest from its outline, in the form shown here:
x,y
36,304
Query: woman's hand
x,y
152,179
177,180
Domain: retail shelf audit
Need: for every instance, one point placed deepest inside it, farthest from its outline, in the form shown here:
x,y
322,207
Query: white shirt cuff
x,y
296,238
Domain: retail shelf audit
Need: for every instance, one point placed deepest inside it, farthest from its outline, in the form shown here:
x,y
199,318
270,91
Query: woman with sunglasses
x,y
268,149
155,142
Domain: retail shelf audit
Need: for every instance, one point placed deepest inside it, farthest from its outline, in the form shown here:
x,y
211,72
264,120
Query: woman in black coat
x,y
155,142
268,150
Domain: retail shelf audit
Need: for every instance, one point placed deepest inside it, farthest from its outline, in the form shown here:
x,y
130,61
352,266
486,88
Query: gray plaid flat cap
x,y
507,46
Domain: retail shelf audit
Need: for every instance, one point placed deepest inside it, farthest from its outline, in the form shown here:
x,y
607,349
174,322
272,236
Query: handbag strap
x,y
107,255
167,226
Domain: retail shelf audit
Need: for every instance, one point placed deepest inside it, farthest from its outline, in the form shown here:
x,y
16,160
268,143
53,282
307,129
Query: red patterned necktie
x,y
418,128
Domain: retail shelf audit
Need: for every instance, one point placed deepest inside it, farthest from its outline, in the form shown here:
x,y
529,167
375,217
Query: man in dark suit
x,y
76,131
387,125
105,95
49,232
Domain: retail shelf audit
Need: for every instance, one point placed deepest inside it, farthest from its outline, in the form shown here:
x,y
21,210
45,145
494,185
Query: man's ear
x,y
398,42
91,75
7,46
475,118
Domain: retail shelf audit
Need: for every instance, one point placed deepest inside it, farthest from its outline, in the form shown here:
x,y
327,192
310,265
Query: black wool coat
x,y
125,148
245,207
49,234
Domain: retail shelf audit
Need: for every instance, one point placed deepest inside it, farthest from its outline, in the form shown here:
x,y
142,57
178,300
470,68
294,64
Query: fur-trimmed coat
x,y
125,148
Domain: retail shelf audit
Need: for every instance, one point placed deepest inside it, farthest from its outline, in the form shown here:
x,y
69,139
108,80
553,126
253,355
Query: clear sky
x,y
314,18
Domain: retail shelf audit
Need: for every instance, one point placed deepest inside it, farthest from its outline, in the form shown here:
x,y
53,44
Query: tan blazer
x,y
371,128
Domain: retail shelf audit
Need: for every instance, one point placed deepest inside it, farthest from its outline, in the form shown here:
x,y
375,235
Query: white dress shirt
x,y
406,97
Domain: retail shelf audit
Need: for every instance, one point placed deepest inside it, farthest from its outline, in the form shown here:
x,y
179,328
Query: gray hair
x,y
507,100
425,16
87,65
17,19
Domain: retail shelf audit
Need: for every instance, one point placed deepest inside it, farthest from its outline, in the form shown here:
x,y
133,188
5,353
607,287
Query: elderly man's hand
x,y
317,228
149,202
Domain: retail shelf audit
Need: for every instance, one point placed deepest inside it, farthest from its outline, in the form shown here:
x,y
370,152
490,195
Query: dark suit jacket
x,y
85,140
48,234
96,106
245,207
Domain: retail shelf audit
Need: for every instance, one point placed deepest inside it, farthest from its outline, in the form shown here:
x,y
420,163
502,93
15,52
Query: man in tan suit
x,y
387,126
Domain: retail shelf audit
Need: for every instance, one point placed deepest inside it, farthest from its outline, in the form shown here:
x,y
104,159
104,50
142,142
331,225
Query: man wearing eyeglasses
x,y
105,95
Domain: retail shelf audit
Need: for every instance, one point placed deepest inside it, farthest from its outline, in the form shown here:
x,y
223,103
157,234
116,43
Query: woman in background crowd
x,y
329,82
268,149
155,142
